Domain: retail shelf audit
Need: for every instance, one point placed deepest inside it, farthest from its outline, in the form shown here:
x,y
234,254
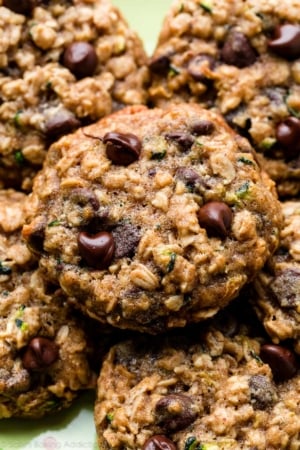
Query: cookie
x,y
15,256
219,388
276,295
151,219
44,352
62,64
241,58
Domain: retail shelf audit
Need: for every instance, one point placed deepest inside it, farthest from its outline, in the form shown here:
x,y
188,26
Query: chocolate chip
x,y
126,237
216,218
81,59
240,128
122,149
288,135
159,442
35,239
159,64
175,412
282,361
195,67
286,42
97,250
39,354
62,122
184,140
21,6
262,392
202,128
189,176
237,50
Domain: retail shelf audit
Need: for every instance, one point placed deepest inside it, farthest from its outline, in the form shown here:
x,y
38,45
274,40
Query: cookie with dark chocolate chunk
x,y
151,219
242,58
215,388
44,350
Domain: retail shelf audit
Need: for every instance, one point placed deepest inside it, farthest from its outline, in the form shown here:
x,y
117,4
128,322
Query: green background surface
x,y
74,428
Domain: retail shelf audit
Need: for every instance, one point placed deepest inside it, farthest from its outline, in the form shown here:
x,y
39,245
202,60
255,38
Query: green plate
x,y
74,428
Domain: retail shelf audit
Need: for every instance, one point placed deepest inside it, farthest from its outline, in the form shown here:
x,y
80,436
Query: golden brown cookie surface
x,y
151,219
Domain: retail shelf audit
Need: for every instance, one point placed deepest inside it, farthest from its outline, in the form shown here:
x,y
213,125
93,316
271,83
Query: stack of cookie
x,y
232,381
161,219
62,65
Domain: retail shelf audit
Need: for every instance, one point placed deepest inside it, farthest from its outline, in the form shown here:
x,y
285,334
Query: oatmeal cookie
x,y
276,295
221,388
15,256
151,219
241,57
62,64
43,349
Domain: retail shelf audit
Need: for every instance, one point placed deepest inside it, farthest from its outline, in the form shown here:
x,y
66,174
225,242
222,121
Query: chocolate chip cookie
x,y
241,57
276,294
223,387
151,219
43,349
62,64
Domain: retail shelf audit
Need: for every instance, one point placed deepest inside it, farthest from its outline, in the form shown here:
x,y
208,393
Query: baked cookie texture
x,y
44,352
151,219
242,58
211,389
276,295
62,64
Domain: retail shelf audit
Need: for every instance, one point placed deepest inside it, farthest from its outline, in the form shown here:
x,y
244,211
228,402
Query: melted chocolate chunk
x,y
184,140
262,392
175,412
189,176
126,237
286,288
